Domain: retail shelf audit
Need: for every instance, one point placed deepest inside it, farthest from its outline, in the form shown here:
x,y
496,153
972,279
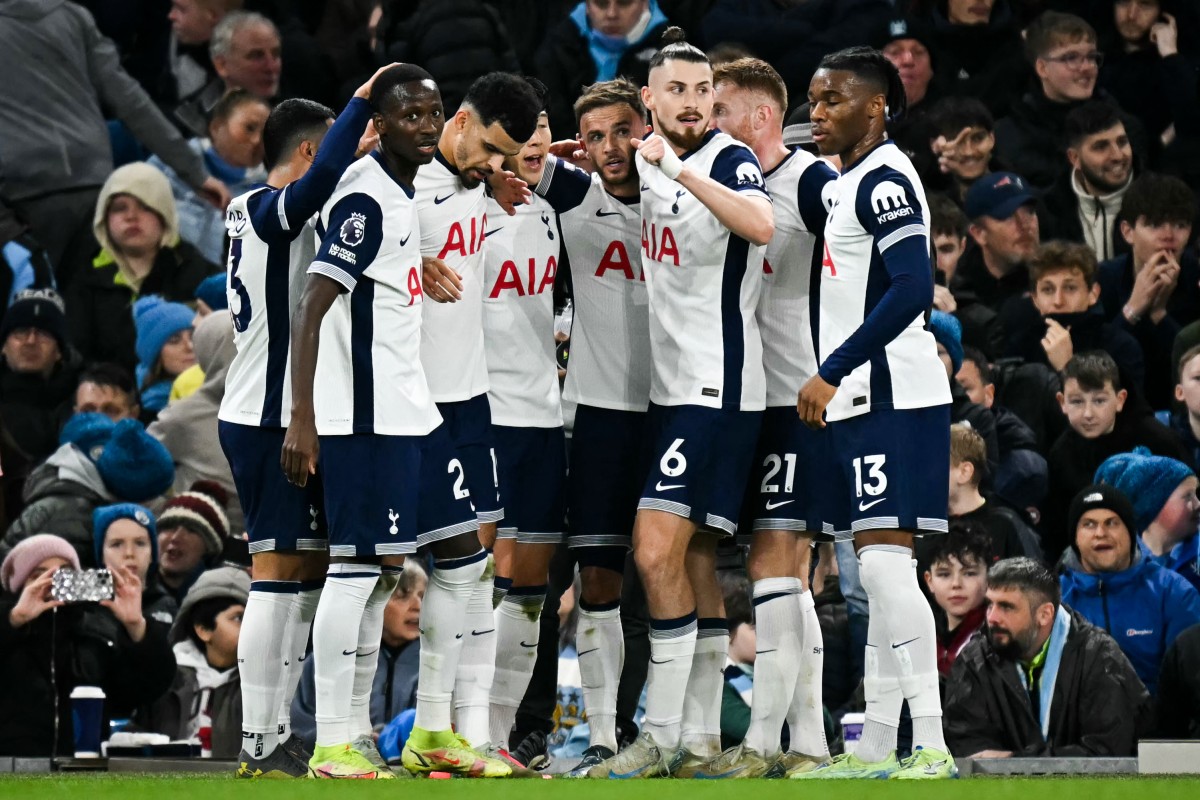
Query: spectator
x,y
1084,204
54,60
141,253
1043,681
1021,475
1165,507
957,581
395,687
189,67
1108,581
1185,422
739,663
1062,49
1179,688
906,43
126,547
108,464
188,427
204,704
109,390
948,229
164,349
233,152
38,372
948,334
192,529
43,657
1006,533
1062,316
962,138
23,261
1153,290
599,41
210,296
1004,234
1101,425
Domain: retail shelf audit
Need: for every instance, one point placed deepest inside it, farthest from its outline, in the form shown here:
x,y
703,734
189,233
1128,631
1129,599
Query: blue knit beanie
x,y
105,516
1147,480
157,321
947,330
134,465
212,291
89,431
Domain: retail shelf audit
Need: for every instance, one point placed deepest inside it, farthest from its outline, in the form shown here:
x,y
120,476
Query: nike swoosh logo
x,y
668,661
459,636
600,213
404,241
931,769
864,506
349,652
760,652
364,655
910,641
526,644
481,633
662,488
493,230
585,652
287,663
437,201
777,505
302,659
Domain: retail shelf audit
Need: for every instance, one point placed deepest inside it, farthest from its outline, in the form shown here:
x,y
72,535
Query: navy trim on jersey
x,y
347,249
707,138
811,201
362,332
563,185
864,155
736,254
279,265
408,190
779,166
441,159
725,170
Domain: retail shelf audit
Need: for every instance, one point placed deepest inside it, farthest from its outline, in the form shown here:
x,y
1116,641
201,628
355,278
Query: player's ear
x,y
380,124
647,98
460,119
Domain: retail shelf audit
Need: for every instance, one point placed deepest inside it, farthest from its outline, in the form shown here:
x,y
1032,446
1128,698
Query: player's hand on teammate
x,y
439,282
368,141
811,402
300,450
364,91
508,190
571,150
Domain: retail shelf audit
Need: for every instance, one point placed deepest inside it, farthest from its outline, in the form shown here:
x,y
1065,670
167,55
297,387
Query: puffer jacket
x,y
1143,608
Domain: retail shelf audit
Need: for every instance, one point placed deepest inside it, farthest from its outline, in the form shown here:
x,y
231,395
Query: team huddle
x,y
749,357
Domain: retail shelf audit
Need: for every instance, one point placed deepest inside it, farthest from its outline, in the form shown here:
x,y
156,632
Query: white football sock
x,y
881,687
518,623
672,648
706,684
259,664
890,578
295,648
443,617
335,642
600,643
500,587
366,657
806,716
777,627
477,664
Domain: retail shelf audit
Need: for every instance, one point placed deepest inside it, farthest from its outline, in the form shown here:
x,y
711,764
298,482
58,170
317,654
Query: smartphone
x,y
82,585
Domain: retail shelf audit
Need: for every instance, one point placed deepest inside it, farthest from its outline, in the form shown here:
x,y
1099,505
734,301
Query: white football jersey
x,y
799,191
610,336
453,221
877,204
369,375
520,264
704,284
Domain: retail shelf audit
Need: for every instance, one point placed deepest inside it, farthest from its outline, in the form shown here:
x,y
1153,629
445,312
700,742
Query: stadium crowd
x,y
1059,144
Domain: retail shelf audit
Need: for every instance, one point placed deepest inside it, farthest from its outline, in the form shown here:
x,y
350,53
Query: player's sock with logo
x,y
600,642
295,648
518,621
706,685
443,619
259,665
672,649
881,680
500,587
777,627
476,665
805,718
366,659
890,577
348,587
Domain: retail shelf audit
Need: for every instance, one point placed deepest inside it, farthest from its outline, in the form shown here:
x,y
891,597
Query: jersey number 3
x,y
240,314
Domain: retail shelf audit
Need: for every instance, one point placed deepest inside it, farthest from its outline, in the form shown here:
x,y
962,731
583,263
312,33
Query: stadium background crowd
x,y
1062,139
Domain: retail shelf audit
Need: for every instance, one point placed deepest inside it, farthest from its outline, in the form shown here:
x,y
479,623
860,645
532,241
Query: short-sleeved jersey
x,y
878,204
453,221
369,375
610,334
272,242
520,264
703,282
799,194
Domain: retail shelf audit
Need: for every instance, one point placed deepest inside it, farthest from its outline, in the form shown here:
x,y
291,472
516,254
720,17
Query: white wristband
x,y
670,164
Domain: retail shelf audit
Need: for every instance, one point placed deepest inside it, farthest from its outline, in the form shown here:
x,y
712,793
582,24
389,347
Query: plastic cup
x,y
87,717
852,725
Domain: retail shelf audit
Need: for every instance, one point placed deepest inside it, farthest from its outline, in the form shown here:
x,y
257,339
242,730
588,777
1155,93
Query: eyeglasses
x,y
1076,60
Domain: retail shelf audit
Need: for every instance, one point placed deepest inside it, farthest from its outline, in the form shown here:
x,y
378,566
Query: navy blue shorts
x,y
280,517
532,465
610,454
887,470
389,495
782,492
700,463
469,423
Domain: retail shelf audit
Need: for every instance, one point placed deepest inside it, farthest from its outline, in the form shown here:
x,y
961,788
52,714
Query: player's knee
x,y
599,585
460,546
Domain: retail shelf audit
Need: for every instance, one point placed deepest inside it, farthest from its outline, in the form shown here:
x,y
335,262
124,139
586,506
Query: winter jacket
x,y
1179,688
1143,608
1071,214
33,408
1030,392
60,77
1022,475
979,419
1158,91
1099,707
1178,422
60,497
177,713
567,60
1008,533
1183,559
88,647
981,297
950,643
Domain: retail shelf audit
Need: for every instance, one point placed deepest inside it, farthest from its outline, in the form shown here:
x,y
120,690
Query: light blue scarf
x,y
1054,651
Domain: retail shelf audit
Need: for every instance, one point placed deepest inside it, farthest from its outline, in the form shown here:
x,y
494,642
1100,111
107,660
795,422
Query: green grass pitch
x,y
99,786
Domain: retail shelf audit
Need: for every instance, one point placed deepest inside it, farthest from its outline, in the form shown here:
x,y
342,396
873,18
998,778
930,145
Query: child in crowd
x,y
957,582
164,349
1007,535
